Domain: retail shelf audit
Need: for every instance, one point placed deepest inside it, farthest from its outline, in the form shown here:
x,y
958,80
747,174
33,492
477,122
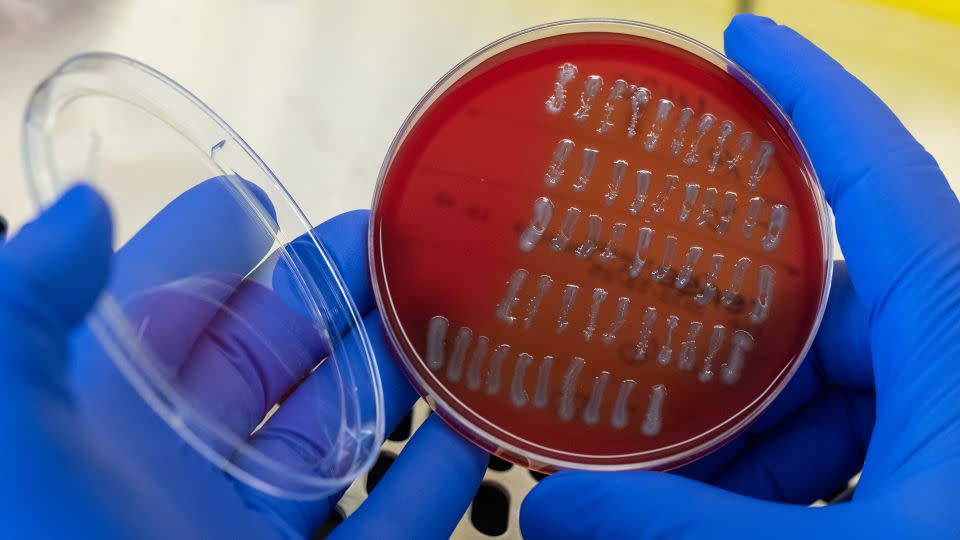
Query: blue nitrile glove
x,y
83,456
881,387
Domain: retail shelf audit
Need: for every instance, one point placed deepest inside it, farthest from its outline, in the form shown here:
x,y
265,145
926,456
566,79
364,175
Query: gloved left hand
x,y
69,471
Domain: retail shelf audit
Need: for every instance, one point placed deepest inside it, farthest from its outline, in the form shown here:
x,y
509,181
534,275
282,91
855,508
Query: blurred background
x,y
319,89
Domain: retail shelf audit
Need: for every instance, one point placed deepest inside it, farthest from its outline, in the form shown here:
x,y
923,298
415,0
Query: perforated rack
x,y
495,510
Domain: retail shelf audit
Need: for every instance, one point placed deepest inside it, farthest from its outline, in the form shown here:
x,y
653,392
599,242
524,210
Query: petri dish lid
x,y
223,310
600,245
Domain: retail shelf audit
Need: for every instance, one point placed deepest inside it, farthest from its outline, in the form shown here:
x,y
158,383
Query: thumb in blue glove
x,y
48,457
879,389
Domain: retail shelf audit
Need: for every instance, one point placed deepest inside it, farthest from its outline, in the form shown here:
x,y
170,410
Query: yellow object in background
x,y
945,10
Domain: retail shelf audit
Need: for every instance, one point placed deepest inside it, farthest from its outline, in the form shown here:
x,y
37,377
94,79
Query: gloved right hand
x,y
881,387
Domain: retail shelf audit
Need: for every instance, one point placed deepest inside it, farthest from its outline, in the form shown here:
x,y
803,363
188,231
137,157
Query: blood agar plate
x,y
599,245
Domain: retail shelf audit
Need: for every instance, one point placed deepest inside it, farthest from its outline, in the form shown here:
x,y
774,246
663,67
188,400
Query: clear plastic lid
x,y
223,309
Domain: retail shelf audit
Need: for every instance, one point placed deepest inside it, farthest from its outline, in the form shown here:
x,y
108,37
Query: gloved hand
x,y
881,387
83,455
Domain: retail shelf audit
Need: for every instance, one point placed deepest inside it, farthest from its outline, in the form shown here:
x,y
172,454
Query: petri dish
x,y
225,324
599,245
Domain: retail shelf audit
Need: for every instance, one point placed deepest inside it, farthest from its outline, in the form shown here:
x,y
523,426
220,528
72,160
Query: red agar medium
x,y
599,249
